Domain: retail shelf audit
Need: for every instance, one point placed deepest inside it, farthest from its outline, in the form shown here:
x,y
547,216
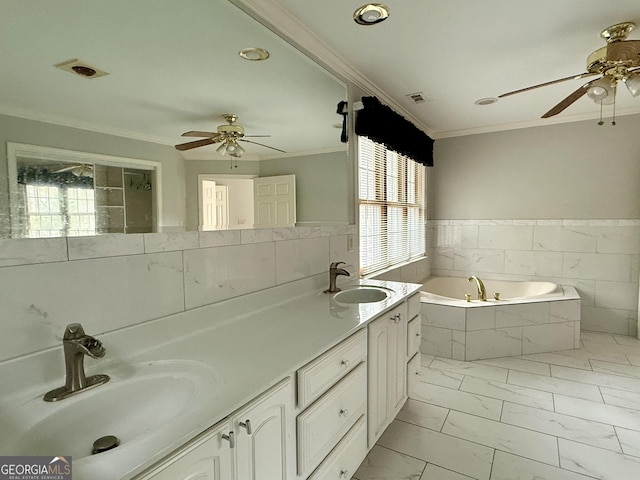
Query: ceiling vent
x,y
418,97
78,67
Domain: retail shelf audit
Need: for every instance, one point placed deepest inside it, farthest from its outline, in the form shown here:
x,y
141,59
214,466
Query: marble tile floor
x,y
570,415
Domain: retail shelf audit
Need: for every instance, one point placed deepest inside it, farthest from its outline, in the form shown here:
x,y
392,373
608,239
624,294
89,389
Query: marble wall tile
x,y
544,264
477,261
526,443
297,259
522,314
285,233
215,274
618,240
605,320
436,341
256,235
480,318
616,268
506,237
616,295
452,453
442,316
550,337
564,311
110,245
103,294
26,251
166,242
441,259
564,239
309,232
500,342
219,238
458,345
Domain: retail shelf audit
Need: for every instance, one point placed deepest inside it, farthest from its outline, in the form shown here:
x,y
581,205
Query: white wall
x,y
560,203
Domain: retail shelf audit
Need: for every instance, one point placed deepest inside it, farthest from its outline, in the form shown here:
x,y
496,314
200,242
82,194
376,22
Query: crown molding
x,y
275,17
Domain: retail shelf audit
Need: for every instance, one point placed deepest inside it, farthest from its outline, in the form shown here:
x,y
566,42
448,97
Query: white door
x,y
207,205
274,201
222,207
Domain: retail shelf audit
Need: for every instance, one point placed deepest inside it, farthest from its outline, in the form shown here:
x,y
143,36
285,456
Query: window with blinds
x,y
392,207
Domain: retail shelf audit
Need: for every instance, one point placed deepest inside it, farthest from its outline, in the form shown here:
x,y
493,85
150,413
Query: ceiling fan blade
x,y
552,82
196,144
66,169
262,145
568,100
256,136
195,133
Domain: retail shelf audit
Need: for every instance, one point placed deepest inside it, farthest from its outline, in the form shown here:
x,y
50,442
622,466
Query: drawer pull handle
x,y
344,412
344,473
247,425
417,334
345,363
229,438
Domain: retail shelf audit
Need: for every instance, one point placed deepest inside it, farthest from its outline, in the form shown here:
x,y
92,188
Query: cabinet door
x,y
206,458
387,338
265,448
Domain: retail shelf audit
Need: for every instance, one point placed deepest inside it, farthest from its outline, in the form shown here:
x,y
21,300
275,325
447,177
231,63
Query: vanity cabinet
x,y
208,457
414,337
387,350
257,443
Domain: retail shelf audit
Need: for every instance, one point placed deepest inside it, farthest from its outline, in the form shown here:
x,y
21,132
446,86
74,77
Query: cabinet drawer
x,y
413,374
414,305
413,336
323,424
343,461
318,376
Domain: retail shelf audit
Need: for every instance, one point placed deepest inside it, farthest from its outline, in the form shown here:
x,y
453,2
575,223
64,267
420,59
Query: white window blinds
x,y
392,207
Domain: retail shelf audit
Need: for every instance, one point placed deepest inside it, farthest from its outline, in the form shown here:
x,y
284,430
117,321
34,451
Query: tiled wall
x,y
600,258
113,281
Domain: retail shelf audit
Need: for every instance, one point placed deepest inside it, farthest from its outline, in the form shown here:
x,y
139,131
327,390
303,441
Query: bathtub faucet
x,y
482,293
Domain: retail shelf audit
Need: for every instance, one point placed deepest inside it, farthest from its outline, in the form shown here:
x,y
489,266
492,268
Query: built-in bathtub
x,y
528,317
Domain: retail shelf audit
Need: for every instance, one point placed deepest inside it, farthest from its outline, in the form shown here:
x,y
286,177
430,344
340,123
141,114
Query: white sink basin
x,y
139,405
362,294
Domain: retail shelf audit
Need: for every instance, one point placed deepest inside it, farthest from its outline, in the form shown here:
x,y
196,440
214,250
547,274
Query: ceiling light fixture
x,y
633,83
254,54
371,13
83,69
486,101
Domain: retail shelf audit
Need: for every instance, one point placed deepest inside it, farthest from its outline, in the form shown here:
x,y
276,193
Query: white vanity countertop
x,y
250,343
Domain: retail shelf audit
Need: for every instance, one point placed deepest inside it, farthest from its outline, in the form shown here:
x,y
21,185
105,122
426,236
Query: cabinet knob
x,y
344,412
345,363
229,438
417,334
344,473
246,424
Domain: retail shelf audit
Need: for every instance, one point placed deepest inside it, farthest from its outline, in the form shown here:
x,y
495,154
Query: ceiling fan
x,y
229,134
80,170
618,61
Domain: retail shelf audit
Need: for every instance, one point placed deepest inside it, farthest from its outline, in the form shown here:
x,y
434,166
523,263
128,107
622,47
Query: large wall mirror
x,y
96,95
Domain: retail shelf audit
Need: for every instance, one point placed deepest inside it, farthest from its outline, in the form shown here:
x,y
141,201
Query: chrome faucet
x,y
334,271
482,293
76,345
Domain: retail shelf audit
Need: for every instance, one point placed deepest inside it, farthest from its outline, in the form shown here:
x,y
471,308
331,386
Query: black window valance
x,y
381,124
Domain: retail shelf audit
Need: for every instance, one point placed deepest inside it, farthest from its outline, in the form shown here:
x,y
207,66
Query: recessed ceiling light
x,y
81,68
371,13
254,54
486,101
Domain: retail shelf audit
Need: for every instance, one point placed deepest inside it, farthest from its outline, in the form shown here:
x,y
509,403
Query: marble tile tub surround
x,y
113,281
600,258
564,416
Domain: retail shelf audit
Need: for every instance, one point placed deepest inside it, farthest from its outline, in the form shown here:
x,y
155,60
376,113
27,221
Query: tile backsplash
x,y
113,281
600,258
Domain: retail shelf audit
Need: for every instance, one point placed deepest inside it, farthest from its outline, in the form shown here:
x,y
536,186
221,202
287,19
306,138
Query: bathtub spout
x,y
482,293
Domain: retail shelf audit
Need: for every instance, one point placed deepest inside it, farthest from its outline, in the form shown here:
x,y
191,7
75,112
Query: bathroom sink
x,y
139,405
363,294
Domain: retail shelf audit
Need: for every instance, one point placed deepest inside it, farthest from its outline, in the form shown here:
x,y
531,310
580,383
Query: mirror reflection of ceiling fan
x,y
229,135
80,170
618,61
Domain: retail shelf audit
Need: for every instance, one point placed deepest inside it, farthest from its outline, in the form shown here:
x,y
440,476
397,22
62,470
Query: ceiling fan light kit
x,y
371,14
618,61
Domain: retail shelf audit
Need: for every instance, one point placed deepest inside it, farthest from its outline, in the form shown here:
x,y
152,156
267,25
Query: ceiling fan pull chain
x,y
613,121
600,122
